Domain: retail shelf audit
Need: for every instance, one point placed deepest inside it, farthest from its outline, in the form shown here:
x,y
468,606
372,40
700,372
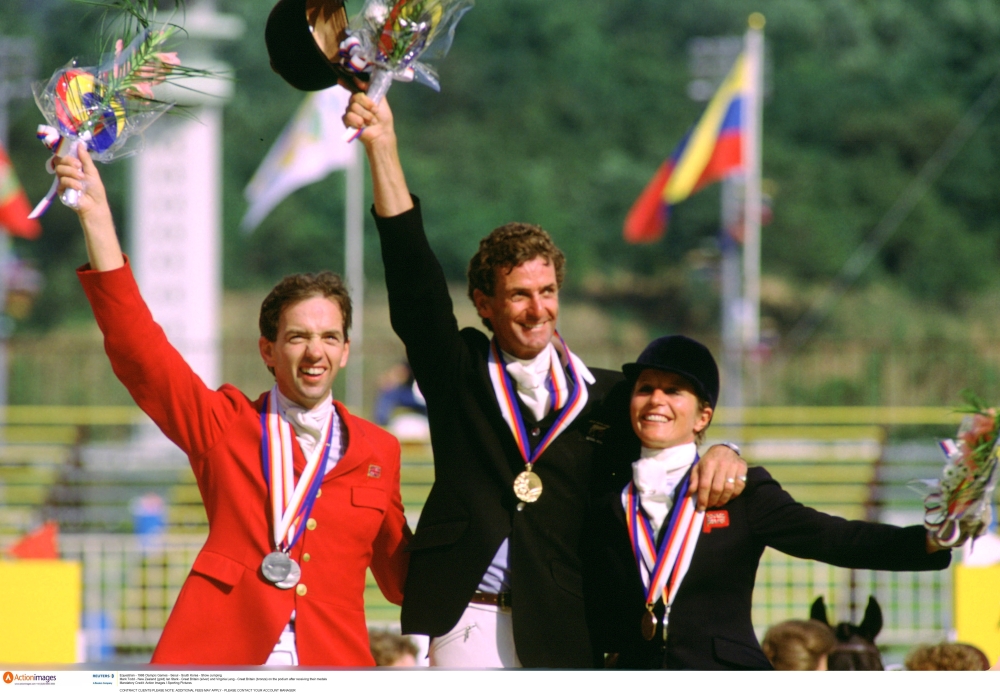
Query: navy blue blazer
x,y
472,508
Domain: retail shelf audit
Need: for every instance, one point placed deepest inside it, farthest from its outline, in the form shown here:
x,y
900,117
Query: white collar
x,y
543,360
539,364
309,424
671,458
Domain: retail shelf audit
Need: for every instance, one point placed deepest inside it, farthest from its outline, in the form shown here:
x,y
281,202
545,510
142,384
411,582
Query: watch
x,y
733,446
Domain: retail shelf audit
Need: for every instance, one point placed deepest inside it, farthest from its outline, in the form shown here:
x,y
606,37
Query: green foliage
x,y
558,113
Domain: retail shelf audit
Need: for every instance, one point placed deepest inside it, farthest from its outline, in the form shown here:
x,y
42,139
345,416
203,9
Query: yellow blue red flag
x,y
710,151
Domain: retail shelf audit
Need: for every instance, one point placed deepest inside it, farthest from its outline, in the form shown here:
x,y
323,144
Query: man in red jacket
x,y
301,496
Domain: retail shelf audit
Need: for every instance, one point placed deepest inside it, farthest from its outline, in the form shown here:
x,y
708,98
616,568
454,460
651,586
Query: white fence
x,y
130,585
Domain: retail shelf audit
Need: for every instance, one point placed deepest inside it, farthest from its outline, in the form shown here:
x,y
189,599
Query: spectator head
x,y
799,645
392,650
947,656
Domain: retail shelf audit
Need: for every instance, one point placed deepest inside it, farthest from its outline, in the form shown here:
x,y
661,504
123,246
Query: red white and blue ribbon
x,y
291,502
569,397
61,146
663,569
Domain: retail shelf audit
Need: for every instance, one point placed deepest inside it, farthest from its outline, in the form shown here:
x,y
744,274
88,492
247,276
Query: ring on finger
x,y
743,478
729,481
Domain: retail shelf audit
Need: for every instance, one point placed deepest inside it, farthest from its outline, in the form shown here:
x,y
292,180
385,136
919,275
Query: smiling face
x,y
523,308
665,410
309,351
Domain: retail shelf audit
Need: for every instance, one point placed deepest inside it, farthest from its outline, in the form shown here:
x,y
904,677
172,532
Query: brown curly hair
x,y
507,247
947,656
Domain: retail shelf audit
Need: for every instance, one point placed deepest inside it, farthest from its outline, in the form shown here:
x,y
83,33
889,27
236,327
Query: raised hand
x,y
376,119
81,174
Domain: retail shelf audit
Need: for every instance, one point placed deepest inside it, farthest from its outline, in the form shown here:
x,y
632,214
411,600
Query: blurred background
x,y
880,142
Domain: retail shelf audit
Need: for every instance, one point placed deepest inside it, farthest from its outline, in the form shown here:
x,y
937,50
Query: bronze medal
x,y
527,486
648,626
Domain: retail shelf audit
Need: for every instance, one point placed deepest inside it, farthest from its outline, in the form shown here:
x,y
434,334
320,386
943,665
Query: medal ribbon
x,y
664,568
291,502
567,398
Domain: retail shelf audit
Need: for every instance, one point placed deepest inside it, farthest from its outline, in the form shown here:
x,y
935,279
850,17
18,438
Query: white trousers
x,y
285,653
483,638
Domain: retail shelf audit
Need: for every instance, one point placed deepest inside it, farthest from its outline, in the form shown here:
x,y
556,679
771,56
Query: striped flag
x,y
710,151
14,204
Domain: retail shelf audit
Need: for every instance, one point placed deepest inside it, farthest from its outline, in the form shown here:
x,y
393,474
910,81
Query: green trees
x,y
558,113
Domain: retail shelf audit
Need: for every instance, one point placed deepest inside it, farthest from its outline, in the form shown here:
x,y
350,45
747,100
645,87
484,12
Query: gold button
x,y
301,589
311,524
319,492
306,557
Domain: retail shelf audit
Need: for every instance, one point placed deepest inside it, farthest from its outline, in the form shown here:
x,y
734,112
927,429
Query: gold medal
x,y
648,626
527,486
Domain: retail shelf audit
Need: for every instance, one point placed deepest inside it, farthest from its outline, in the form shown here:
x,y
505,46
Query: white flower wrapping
x,y
959,506
394,39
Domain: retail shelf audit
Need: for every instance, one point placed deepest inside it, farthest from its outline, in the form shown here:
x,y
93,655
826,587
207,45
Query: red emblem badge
x,y
716,519
376,472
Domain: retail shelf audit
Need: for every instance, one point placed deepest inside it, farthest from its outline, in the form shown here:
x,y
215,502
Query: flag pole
x,y
354,259
752,160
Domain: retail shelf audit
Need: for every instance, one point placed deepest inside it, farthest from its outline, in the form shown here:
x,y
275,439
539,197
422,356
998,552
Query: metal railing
x,y
845,461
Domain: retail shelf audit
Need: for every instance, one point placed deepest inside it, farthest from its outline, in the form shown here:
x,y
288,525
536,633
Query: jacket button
x,y
520,506
306,557
535,432
311,524
301,589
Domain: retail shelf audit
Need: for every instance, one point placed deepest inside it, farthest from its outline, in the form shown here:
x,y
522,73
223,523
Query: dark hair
x,y
797,644
856,648
299,287
387,648
508,247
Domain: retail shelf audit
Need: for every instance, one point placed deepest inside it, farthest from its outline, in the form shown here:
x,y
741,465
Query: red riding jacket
x,y
226,612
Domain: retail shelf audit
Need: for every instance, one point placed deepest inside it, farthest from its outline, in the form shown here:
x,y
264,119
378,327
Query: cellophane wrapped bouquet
x,y
959,506
106,106
394,39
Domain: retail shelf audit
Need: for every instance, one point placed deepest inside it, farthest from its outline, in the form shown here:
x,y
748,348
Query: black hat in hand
x,y
303,41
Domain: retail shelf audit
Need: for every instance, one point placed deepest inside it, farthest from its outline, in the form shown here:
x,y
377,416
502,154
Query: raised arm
x,y
103,249
420,307
392,197
156,375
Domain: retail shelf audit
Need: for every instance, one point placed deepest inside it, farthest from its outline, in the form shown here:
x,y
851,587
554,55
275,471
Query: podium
x,y
40,611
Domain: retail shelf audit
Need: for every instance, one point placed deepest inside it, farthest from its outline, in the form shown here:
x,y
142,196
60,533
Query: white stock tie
x,y
530,376
656,474
309,424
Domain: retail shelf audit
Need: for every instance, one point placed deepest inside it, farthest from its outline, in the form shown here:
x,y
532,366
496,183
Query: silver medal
x,y
294,574
276,567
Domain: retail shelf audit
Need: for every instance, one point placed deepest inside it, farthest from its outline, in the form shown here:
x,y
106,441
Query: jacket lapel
x,y
358,449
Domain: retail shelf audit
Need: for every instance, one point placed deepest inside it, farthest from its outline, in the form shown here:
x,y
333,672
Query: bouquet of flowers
x,y
105,106
392,39
959,506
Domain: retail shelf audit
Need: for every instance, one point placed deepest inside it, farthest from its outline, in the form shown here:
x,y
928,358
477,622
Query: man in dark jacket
x,y
495,570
